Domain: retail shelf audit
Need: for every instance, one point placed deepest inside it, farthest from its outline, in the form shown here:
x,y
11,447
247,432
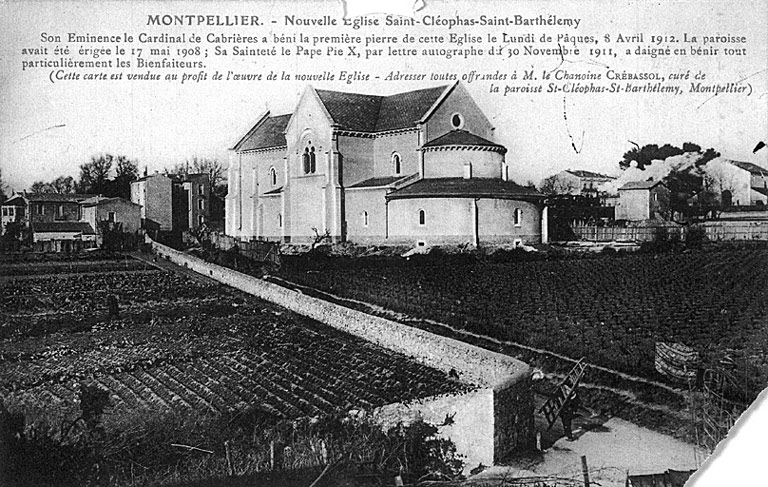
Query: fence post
x,y
585,470
228,454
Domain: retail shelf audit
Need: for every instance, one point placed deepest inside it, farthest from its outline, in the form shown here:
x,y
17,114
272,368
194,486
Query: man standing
x,y
568,413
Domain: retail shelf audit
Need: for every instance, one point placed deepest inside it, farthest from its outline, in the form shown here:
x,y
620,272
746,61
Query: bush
x,y
182,448
695,236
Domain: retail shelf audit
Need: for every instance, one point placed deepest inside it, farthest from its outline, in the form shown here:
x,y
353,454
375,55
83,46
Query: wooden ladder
x,y
554,405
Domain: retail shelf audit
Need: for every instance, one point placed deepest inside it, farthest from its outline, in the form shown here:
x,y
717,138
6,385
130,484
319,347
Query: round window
x,y
457,120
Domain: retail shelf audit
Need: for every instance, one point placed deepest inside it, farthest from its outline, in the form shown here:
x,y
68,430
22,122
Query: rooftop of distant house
x,y
640,185
748,166
588,174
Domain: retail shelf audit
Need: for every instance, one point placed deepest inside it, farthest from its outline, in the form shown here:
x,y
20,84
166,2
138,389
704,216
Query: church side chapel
x,y
415,168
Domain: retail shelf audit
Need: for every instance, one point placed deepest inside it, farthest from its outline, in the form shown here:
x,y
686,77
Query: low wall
x,y
506,381
470,421
719,230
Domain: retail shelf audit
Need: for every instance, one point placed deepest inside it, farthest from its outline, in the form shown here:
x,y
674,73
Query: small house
x,y
154,194
579,181
113,211
642,200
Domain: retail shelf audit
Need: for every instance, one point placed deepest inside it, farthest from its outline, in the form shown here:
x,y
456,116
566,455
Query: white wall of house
x,y
722,176
633,205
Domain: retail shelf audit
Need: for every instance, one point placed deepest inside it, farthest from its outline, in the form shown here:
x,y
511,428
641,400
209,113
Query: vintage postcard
x,y
337,243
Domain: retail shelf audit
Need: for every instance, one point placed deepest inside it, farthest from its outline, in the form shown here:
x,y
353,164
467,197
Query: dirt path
x,y
613,449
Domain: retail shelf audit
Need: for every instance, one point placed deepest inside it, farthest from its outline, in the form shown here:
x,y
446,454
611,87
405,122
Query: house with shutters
x,y
579,181
412,168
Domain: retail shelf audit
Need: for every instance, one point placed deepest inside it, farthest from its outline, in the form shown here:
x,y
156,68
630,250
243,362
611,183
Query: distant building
x,y
642,200
154,194
738,183
413,168
59,232
14,210
191,201
175,202
113,211
578,181
29,208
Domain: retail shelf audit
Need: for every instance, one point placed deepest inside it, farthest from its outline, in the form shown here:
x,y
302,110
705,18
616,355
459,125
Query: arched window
x,y
422,217
518,217
365,218
312,163
308,159
305,160
396,162
272,176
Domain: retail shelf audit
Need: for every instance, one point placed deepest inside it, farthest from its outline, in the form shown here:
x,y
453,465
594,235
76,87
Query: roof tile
x,y
460,187
374,113
269,133
748,166
461,137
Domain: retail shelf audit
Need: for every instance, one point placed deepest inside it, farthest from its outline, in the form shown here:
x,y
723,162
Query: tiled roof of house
x,y
377,182
144,178
462,138
640,185
374,113
57,197
587,174
748,166
16,200
98,200
63,227
467,188
269,133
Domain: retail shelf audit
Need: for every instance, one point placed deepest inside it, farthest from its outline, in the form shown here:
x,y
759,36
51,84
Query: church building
x,y
413,168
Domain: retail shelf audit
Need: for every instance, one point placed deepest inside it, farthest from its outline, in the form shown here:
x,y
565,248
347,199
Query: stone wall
x,y
503,382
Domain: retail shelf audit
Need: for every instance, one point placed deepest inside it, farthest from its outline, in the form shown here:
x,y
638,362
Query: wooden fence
x,y
715,231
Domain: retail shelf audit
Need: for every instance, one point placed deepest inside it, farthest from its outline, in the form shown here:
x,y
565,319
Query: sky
x,y
48,129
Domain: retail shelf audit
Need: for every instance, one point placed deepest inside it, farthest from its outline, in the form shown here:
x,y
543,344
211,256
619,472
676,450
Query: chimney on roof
x,y
467,170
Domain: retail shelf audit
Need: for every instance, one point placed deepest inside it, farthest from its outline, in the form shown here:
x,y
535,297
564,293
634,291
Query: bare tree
x,y
63,185
94,175
126,171
556,185
320,237
212,167
40,187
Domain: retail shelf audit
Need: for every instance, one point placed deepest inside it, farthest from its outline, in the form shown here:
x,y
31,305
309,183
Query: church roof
x,y
374,113
458,137
377,182
268,133
466,188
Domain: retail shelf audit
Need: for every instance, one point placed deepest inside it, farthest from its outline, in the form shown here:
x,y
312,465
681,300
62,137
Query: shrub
x,y
695,237
182,448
